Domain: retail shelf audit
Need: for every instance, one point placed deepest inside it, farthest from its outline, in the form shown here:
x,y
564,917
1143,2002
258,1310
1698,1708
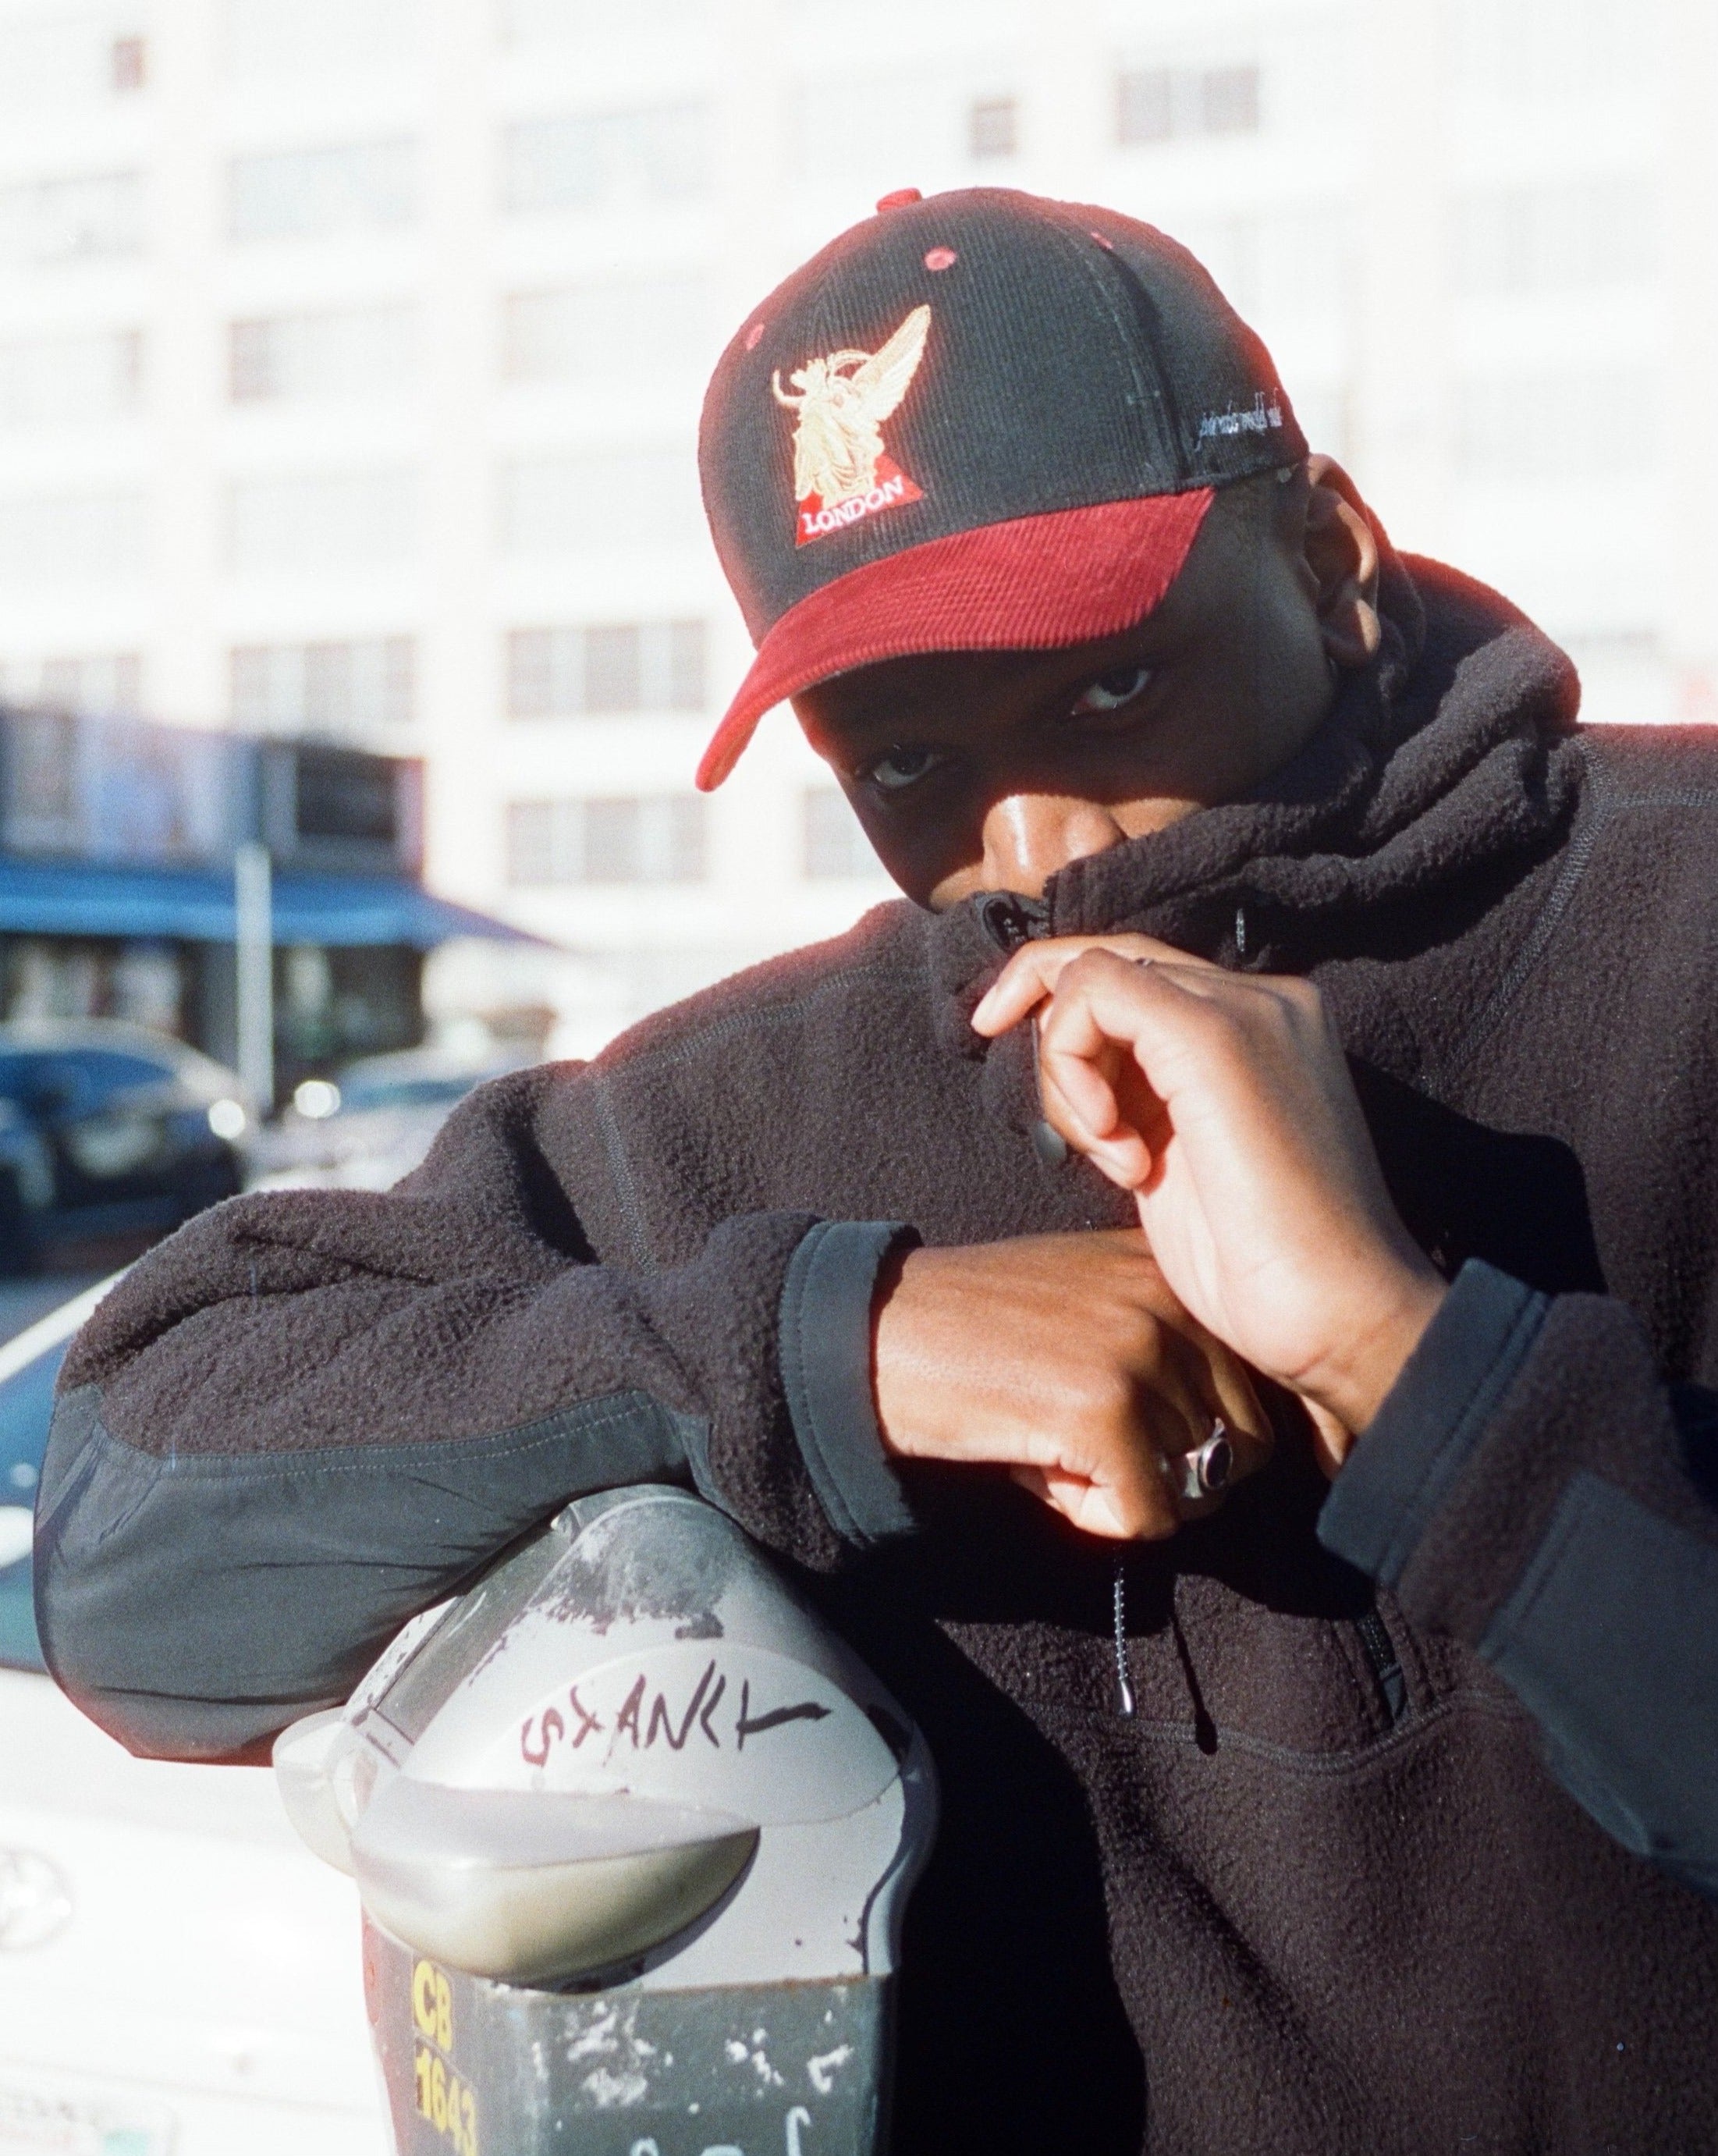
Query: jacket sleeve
x,y
310,1414
1531,1486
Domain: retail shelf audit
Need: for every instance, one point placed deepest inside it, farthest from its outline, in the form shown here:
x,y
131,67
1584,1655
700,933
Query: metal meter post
x,y
254,946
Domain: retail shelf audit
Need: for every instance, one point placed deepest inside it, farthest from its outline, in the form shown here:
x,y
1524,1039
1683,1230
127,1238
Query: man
x,y
1294,1815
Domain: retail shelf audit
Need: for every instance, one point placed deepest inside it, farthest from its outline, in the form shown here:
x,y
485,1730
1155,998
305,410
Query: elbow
x,y
133,1628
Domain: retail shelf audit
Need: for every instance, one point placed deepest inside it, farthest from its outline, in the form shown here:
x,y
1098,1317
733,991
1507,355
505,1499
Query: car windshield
x,y
82,1079
419,1090
26,1403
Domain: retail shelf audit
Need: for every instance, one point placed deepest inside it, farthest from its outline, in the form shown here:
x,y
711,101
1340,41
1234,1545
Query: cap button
x,y
899,198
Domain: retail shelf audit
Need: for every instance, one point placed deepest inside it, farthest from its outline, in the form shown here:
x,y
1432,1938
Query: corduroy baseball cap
x,y
982,421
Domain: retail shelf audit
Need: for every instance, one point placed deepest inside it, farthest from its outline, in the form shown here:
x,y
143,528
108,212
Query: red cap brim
x,y
1031,584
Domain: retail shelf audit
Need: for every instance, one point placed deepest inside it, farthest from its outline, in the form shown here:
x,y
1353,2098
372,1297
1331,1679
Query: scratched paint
x,y
611,1577
677,2072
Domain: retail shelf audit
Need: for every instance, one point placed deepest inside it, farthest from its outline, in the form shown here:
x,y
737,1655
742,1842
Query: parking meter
x,y
634,1832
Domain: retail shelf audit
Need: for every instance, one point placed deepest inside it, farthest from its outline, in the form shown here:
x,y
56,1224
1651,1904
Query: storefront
x,y
117,895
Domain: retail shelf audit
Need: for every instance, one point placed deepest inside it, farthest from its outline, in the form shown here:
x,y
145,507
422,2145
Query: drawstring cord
x,y
1124,1683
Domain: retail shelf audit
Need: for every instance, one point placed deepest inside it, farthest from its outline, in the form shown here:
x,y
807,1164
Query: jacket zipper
x,y
1124,1682
1384,1663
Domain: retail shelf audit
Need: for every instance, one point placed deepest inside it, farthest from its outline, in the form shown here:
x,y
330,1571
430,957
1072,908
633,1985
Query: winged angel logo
x,y
841,470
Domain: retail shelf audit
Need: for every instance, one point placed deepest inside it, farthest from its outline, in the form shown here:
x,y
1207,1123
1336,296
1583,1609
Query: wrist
x,y
893,1349
1379,1333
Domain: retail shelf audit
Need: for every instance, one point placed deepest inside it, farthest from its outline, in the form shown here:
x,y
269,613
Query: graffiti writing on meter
x,y
797,2118
443,2097
648,1717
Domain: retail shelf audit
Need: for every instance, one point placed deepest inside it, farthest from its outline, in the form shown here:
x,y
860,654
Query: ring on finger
x,y
1210,1469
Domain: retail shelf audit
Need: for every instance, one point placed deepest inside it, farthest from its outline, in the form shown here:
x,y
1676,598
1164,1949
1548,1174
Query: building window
x,y
110,681
606,667
67,55
1229,100
1567,238
45,222
578,160
341,687
297,194
73,538
835,847
269,40
80,379
621,840
621,328
1537,51
349,351
993,127
311,523
130,64
1163,105
600,499
1515,428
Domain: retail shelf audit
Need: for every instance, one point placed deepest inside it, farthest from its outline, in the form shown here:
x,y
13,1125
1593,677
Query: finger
x,y
1167,1017
1332,1437
1031,972
1227,1393
1081,1036
1148,1514
1137,1111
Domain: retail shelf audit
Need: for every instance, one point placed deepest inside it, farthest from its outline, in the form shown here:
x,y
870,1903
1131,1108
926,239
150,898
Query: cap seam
x,y
1061,224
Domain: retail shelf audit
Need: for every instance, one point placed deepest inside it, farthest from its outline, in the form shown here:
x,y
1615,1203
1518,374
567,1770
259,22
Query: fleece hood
x,y
1450,760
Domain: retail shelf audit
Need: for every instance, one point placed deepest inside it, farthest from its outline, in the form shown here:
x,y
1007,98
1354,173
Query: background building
x,y
120,890
351,353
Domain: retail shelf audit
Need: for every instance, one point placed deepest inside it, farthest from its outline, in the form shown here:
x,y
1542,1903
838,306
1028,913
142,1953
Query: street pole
x,y
253,910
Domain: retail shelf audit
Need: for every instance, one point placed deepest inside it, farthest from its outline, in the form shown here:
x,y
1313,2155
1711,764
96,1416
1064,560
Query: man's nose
x,y
1028,836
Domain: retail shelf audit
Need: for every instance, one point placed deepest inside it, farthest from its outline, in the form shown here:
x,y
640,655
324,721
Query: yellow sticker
x,y
433,2005
446,2101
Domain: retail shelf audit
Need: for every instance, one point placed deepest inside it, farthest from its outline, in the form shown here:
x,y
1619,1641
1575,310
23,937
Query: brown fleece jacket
x,y
1320,1896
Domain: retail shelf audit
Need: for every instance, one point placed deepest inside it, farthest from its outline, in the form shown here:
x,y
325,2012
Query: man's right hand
x,y
1067,1359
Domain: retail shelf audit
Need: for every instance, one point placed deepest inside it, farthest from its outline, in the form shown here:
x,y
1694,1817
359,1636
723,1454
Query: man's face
x,y
989,771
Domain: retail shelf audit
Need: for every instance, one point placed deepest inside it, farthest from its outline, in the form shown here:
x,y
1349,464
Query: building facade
x,y
120,898
351,353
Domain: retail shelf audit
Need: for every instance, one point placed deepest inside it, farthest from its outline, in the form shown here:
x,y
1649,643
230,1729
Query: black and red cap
x,y
986,421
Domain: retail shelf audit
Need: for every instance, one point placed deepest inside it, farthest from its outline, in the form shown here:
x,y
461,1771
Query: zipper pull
x,y
1010,920
1124,1683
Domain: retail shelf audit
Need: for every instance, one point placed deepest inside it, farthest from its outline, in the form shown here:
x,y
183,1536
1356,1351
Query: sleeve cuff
x,y
826,1373
1415,1447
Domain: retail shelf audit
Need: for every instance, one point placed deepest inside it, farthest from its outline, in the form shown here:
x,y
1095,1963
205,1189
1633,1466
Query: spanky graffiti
x,y
648,1716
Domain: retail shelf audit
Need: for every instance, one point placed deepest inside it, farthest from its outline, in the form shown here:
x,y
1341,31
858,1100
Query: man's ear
x,y
1341,554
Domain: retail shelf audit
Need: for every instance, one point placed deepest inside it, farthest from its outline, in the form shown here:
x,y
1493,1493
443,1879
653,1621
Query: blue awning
x,y
74,898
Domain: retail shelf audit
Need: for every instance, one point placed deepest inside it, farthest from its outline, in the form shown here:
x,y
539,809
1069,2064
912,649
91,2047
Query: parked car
x,y
369,1125
177,1972
109,1135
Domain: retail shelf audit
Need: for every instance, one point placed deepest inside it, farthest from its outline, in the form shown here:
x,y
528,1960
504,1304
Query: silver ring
x,y
1211,1468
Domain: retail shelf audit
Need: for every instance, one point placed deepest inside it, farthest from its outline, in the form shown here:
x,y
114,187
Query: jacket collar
x,y
1447,758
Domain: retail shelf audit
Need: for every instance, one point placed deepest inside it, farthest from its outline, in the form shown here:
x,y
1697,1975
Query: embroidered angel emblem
x,y
842,403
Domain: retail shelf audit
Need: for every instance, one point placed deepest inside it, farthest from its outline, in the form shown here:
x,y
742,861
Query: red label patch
x,y
893,487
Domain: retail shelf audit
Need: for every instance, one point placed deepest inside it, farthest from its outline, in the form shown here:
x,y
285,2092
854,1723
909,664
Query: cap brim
x,y
1033,583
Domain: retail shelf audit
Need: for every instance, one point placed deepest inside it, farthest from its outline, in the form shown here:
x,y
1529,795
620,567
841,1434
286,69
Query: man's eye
x,y
897,767
1111,690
